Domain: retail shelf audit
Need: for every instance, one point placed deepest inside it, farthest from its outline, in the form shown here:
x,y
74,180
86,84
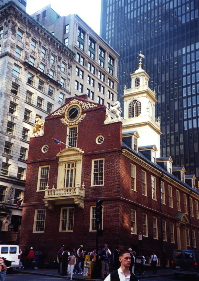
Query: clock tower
x,y
139,110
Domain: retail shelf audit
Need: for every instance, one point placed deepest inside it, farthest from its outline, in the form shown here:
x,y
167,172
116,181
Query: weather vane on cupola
x,y
140,60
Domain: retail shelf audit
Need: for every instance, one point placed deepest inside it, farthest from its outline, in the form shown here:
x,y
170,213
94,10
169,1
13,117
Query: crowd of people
x,y
71,262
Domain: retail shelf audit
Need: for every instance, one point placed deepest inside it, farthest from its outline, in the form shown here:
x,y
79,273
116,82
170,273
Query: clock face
x,y
73,113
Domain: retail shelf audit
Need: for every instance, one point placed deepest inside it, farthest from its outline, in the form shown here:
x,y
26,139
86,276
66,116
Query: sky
x,y
88,10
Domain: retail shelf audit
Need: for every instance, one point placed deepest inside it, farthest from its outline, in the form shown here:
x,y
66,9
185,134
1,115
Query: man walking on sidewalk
x,y
123,273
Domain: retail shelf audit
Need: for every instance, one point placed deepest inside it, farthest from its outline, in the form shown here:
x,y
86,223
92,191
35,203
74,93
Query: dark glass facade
x,y
167,33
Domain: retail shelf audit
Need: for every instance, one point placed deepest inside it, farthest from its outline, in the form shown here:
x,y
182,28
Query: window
x,y
91,68
16,70
1,32
79,72
23,153
162,192
133,222
101,57
39,221
66,42
41,67
110,64
8,148
67,219
25,132
191,207
172,232
185,204
51,91
133,177
80,59
100,100
145,225
19,35
137,82
5,169
12,107
10,128
18,52
101,88
91,48
170,196
81,38
197,210
143,183
29,97
90,81
33,44
52,59
2,193
51,73
41,85
61,98
63,82
69,174
43,177
93,225
72,136
178,200
155,228
134,108
110,95
110,83
43,52
194,238
153,187
15,89
49,107
30,78
188,236
78,86
63,67
27,114
66,28
39,102
32,61
20,173
164,230
90,94
98,172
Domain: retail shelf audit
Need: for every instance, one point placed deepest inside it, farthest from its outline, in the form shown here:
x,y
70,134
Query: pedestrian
x,y
65,262
132,266
3,269
71,264
93,255
80,260
59,258
116,261
30,259
123,273
105,260
23,256
154,262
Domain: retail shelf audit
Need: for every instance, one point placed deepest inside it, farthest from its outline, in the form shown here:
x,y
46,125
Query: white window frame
x,y
145,225
172,232
170,190
194,238
164,230
191,207
99,173
144,182
153,188
187,236
163,198
69,219
37,220
93,225
133,221
178,200
185,204
133,177
197,210
72,136
155,228
40,178
70,174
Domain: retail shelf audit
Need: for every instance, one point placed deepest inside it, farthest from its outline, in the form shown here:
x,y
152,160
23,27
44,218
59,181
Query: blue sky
x,y
88,10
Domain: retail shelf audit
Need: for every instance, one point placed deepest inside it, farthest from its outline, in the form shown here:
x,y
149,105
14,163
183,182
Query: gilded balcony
x,y
68,195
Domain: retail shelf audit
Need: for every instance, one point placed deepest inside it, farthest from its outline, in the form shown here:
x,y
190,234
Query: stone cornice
x,y
141,124
137,92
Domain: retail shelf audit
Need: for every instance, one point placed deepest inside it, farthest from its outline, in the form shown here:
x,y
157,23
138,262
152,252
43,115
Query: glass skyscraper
x,y
167,33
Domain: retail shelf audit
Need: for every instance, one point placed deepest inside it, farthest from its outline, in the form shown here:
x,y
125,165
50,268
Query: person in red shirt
x,y
30,258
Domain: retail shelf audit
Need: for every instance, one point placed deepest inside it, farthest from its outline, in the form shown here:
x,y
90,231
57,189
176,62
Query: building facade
x,y
21,3
95,73
35,74
98,157
167,33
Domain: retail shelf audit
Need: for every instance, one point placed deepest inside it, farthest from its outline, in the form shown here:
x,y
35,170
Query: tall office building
x,y
167,33
95,73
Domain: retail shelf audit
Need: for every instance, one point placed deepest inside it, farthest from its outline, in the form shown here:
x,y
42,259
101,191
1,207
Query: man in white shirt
x,y
123,273
154,262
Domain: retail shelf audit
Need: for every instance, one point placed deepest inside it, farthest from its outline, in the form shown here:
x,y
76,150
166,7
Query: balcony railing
x,y
69,195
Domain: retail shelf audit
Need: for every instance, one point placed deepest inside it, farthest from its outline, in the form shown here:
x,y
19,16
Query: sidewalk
x,y
54,273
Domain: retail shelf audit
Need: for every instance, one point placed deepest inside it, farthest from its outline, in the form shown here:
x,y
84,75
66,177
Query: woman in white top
x,y
71,264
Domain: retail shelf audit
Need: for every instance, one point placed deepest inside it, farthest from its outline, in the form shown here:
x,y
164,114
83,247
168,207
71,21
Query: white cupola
x,y
139,110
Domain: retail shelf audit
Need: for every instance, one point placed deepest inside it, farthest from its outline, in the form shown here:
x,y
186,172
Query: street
x,y
31,277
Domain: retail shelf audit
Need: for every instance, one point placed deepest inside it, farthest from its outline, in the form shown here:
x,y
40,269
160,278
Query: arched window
x,y
134,108
137,82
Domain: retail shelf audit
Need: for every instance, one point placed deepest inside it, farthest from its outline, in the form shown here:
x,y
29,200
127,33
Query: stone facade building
x,y
96,154
95,72
35,74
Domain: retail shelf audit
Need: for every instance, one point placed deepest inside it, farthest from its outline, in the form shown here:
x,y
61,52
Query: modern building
x,y
167,33
35,75
95,73
90,153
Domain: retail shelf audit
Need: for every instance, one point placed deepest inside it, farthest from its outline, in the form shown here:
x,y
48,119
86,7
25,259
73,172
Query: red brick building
x,y
99,157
